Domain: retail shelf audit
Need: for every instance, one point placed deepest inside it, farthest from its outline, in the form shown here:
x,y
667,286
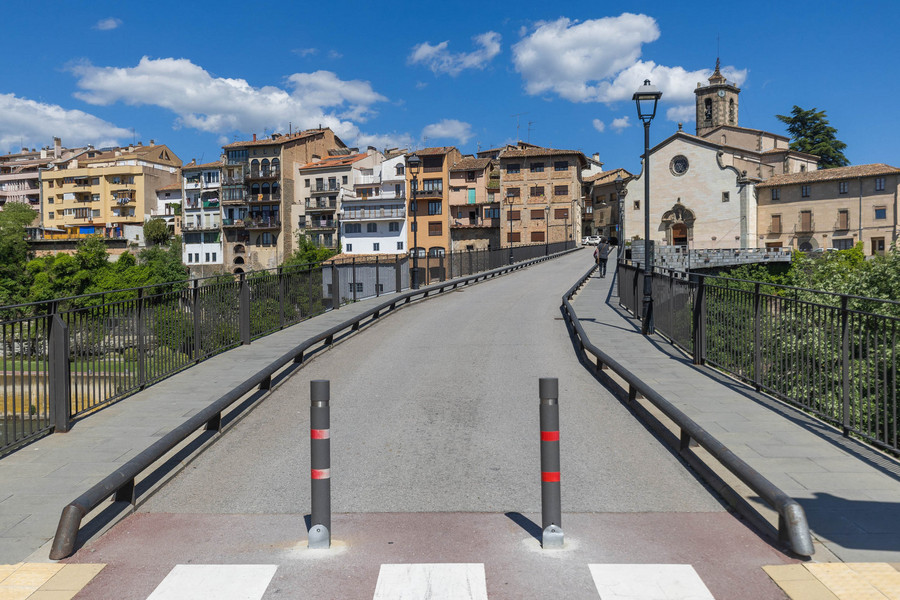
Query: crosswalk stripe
x,y
223,582
447,581
649,582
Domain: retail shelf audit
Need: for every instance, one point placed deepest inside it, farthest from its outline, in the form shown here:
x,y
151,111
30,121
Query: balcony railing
x,y
264,197
192,226
262,223
314,224
325,188
264,174
430,193
321,204
232,201
378,213
368,180
232,223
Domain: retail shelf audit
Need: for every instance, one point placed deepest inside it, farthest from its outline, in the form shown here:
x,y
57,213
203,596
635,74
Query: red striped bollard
x,y
551,506
320,463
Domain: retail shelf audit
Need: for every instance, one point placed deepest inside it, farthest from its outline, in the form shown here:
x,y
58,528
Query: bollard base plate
x,y
552,537
319,538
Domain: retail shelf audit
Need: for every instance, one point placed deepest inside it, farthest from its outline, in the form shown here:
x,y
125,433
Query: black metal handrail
x,y
121,484
792,523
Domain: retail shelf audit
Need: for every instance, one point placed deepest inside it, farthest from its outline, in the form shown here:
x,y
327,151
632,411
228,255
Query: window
x,y
561,213
352,228
512,169
537,236
357,287
371,227
306,182
349,247
775,226
435,228
731,110
842,187
196,257
470,175
512,215
434,186
560,190
399,245
414,206
804,191
880,213
536,190
512,192
190,258
843,219
879,184
537,213
561,165
537,167
513,236
491,213
806,220
637,205
413,226
344,179
393,226
376,247
842,244
726,197
434,208
707,112
436,251
50,183
400,170
207,257
50,214
878,245
96,198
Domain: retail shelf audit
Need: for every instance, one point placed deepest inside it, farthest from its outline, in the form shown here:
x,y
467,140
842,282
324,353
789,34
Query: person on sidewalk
x,y
601,254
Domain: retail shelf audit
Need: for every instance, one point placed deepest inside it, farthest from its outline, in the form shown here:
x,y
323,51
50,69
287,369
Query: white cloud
x,y
219,105
383,141
449,129
681,114
304,52
108,24
599,125
440,60
35,124
599,61
621,123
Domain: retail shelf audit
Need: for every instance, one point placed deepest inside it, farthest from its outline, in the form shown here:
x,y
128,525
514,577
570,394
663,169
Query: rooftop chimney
x,y
57,147
152,143
254,137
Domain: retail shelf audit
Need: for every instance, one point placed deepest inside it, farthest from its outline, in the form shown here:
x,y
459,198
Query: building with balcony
x,y
201,217
168,207
540,194
830,208
603,200
373,215
262,207
430,211
323,183
474,204
101,192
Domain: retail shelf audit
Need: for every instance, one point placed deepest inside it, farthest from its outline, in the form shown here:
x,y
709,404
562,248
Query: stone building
x,y
474,204
430,211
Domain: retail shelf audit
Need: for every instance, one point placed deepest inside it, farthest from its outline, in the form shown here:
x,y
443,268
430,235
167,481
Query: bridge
x,y
435,468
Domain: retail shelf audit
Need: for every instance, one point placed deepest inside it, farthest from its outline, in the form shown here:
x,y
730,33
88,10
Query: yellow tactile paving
x,y
838,581
44,581
844,582
882,576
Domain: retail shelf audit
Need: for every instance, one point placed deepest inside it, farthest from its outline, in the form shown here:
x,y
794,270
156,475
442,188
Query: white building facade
x,y
373,213
201,219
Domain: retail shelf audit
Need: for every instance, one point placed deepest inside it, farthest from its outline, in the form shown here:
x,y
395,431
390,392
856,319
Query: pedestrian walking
x,y
601,254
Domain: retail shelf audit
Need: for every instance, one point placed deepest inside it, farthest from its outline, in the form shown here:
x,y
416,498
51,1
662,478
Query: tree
x,y
308,253
156,232
14,280
811,133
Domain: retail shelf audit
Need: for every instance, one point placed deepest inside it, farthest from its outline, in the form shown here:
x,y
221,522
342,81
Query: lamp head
x,y
413,163
646,99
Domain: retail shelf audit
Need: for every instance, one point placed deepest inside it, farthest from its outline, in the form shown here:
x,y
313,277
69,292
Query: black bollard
x,y
320,463
551,506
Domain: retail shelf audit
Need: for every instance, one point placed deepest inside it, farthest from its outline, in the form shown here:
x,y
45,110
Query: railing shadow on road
x,y
530,527
881,521
793,529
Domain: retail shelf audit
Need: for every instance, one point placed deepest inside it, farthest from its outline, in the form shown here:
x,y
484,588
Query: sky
x,y
475,75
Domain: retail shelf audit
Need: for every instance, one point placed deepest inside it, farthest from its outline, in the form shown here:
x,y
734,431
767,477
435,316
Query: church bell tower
x,y
717,103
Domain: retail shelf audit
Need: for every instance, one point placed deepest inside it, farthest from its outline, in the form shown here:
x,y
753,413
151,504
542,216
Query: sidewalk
x,y
850,492
38,480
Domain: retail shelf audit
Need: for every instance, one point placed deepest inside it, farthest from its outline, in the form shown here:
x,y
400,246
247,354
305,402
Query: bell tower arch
x,y
716,103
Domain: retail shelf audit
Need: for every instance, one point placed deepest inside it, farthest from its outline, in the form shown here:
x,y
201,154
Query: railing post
x,y
700,321
443,271
195,313
377,277
142,365
551,506
281,297
757,353
398,274
60,381
845,364
450,265
320,463
335,287
244,309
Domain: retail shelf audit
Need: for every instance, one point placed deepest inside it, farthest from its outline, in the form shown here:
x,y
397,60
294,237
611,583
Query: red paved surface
x,y
142,549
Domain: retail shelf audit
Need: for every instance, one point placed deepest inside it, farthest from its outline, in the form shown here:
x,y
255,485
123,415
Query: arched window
x,y
238,260
238,271
731,111
276,166
436,251
723,139
275,189
265,189
254,168
400,169
265,167
708,105
239,249
254,191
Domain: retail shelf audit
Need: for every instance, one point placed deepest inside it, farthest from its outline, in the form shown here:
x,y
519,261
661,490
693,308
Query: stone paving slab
x,y
836,480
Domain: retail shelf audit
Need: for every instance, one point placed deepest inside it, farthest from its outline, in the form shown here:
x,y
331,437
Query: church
x,y
703,186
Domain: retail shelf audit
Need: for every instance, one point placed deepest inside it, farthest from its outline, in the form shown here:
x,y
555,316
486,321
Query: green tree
x,y
156,232
308,253
14,279
811,133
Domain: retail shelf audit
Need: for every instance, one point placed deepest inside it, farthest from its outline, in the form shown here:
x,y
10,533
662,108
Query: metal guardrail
x,y
121,484
792,523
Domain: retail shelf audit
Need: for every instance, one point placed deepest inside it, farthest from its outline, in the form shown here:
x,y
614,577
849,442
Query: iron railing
x,y
833,355
64,359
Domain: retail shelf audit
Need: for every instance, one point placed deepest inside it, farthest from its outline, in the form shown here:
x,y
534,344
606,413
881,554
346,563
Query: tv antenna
x,y
517,115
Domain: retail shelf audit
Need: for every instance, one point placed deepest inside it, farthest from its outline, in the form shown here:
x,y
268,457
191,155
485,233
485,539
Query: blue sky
x,y
197,75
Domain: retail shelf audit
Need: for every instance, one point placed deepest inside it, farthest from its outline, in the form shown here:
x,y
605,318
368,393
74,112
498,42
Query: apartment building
x,y
428,215
541,194
373,213
262,207
474,204
168,207
830,208
603,218
106,191
201,218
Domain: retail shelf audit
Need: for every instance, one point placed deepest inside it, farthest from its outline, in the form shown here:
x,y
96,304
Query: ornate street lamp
x,y
547,230
646,99
621,192
509,201
413,163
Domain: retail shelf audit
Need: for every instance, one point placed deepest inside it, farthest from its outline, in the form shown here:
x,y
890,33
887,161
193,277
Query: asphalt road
x,y
435,409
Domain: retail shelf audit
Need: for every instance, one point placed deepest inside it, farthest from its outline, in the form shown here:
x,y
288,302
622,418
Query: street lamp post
x,y
621,192
646,99
547,230
413,163
338,214
509,202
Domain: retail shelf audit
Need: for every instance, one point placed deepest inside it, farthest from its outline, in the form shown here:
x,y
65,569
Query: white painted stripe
x,y
649,582
463,581
222,582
